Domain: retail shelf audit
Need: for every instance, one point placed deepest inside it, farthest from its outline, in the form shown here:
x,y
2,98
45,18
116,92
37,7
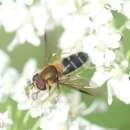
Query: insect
x,y
62,73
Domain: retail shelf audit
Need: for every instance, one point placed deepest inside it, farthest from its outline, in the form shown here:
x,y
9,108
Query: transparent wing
x,y
50,48
81,84
47,54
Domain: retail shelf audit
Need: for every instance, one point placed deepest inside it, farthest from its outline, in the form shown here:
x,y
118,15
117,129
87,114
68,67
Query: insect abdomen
x,y
74,61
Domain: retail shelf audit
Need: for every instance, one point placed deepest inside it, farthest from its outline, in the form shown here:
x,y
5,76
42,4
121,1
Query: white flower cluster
x,y
26,20
125,11
5,121
66,115
8,76
57,111
29,19
90,29
88,26
10,80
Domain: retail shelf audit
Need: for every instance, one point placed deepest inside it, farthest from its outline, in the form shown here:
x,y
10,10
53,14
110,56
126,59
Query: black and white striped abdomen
x,y
74,61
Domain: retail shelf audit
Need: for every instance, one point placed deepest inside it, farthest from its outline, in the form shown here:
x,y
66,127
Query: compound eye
x,y
35,77
41,85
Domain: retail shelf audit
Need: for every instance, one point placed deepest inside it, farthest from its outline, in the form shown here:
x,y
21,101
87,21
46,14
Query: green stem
x,y
26,118
123,27
36,125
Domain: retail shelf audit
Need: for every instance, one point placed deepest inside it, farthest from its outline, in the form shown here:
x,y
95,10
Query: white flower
x,y
83,22
28,71
100,77
126,9
8,80
116,78
3,71
66,114
28,23
115,4
58,116
96,106
120,88
36,102
5,121
94,8
4,60
14,20
79,109
59,9
75,26
70,44
101,46
86,31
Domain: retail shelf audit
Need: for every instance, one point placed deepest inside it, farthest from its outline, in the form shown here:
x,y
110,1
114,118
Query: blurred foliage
x,y
118,114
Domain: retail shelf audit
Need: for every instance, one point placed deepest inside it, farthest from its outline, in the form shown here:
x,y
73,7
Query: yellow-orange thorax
x,y
52,73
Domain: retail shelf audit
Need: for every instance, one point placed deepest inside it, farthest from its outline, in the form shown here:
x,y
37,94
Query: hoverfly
x,y
62,73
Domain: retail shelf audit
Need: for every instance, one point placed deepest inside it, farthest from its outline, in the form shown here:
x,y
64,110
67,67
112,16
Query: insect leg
x,y
48,89
59,87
